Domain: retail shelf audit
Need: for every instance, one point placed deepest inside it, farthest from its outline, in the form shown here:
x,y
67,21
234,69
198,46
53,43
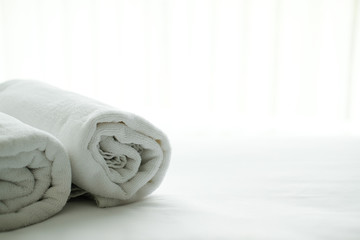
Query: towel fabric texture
x,y
35,176
116,157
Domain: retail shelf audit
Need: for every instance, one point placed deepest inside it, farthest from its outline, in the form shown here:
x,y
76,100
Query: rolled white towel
x,y
115,156
35,175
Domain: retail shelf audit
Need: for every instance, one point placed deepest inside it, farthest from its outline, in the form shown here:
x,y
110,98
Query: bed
x,y
229,187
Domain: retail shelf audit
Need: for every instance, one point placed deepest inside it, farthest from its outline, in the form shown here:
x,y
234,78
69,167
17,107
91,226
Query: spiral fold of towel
x,y
35,176
116,157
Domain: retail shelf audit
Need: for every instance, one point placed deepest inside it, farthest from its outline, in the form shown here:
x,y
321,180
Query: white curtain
x,y
229,65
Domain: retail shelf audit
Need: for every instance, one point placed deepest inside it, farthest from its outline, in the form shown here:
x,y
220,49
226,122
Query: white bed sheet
x,y
232,188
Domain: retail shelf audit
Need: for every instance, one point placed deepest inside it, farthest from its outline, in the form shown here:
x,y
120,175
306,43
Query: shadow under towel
x,y
116,157
35,175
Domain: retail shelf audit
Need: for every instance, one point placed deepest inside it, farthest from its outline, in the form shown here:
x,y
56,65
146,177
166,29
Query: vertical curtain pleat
x,y
354,69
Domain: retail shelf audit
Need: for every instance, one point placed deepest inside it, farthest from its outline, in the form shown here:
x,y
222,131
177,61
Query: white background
x,y
243,67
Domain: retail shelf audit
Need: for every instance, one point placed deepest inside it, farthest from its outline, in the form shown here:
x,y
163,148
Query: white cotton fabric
x,y
35,176
239,188
115,156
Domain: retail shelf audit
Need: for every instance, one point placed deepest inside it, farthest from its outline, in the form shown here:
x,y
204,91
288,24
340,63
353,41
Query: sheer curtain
x,y
249,66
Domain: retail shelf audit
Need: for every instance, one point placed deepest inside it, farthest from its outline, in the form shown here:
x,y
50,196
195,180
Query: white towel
x,y
35,174
115,156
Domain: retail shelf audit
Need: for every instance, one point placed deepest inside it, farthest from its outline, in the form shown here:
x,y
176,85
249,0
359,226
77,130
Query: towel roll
x,y
116,156
35,176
